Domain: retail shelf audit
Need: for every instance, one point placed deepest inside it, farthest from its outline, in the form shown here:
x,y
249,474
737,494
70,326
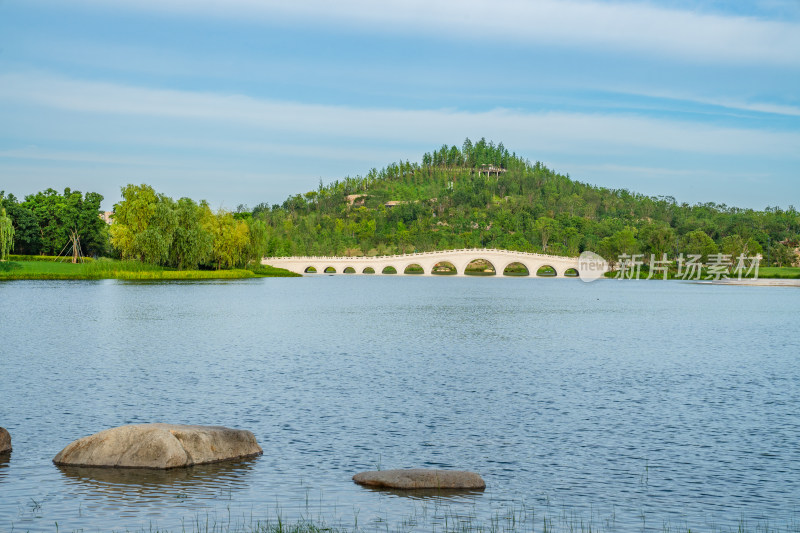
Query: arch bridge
x,y
424,263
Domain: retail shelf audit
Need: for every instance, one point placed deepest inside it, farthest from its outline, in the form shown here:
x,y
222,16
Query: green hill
x,y
478,195
481,195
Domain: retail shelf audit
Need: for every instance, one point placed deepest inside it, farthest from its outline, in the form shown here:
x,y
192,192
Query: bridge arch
x,y
414,269
516,268
310,270
329,270
349,270
480,267
546,271
571,273
368,270
444,268
389,269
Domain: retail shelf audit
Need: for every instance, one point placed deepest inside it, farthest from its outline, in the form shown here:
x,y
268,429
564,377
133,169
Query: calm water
x,y
624,404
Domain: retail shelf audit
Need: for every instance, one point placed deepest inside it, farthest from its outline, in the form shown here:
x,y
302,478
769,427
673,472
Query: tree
x,y
89,227
783,255
144,225
403,235
258,246
545,227
735,246
63,219
698,242
6,235
658,240
26,228
191,243
230,237
622,242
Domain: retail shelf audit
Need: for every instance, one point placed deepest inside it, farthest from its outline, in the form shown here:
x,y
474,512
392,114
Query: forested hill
x,y
481,195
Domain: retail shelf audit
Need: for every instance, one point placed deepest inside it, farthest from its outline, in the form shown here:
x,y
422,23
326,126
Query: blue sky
x,y
249,101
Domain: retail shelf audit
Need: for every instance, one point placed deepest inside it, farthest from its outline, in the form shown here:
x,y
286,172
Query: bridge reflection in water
x,y
430,263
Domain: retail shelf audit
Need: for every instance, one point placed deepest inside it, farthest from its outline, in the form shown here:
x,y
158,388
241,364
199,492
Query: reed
x,y
437,516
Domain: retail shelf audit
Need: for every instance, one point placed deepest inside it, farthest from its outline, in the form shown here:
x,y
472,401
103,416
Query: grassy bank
x,y
266,271
763,273
37,268
779,272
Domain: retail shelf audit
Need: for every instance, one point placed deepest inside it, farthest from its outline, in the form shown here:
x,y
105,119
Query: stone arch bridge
x,y
499,259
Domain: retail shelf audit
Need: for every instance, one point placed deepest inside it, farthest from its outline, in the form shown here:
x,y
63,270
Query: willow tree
x,y
231,237
144,225
192,243
6,235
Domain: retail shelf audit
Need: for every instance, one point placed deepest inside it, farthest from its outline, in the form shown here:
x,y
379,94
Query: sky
x,y
250,101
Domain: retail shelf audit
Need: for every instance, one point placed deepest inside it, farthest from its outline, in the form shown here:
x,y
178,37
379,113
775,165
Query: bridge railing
x,y
419,254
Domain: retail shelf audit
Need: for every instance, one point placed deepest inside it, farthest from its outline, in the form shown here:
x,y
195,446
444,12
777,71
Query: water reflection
x,y
199,481
211,281
452,495
5,458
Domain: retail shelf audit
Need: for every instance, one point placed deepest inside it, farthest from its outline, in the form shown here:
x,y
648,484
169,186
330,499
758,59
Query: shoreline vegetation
x,y
438,516
23,267
54,268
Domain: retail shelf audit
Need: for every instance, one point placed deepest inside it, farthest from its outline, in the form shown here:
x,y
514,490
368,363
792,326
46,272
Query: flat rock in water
x,y
5,440
159,446
418,478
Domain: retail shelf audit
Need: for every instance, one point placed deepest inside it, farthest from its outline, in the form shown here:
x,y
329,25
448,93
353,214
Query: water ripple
x,y
626,404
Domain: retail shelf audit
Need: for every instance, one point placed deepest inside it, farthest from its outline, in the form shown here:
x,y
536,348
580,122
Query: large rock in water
x,y
421,479
5,440
159,446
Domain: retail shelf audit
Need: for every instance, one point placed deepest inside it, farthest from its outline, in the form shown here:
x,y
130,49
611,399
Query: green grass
x,y
546,271
763,273
779,272
38,269
264,271
479,272
10,270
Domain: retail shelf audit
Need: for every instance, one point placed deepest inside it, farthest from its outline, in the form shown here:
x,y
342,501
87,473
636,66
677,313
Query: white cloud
x,y
719,101
141,158
201,114
630,27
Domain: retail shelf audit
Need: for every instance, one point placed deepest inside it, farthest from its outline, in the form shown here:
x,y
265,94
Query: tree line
x,y
42,222
448,201
146,226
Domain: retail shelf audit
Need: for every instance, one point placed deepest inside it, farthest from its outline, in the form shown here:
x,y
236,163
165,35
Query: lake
x,y
624,405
